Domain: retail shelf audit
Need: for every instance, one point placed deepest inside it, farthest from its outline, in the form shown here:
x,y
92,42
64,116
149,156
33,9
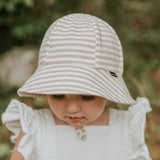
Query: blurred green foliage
x,y
24,22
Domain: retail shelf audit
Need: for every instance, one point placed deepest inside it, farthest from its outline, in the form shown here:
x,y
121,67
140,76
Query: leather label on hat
x,y
113,74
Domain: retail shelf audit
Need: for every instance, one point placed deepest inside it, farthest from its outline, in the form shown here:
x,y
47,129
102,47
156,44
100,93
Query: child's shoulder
x,y
142,105
135,114
18,109
19,116
129,125
35,124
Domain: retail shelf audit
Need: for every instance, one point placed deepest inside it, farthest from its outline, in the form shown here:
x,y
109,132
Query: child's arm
x,y
18,119
15,154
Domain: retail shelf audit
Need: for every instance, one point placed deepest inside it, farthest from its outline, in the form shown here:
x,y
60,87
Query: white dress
x,y
122,139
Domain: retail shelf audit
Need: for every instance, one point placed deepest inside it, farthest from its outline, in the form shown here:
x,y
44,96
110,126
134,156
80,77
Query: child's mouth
x,y
75,119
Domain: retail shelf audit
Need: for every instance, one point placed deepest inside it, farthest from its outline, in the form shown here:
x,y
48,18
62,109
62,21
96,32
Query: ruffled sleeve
x,y
137,124
17,117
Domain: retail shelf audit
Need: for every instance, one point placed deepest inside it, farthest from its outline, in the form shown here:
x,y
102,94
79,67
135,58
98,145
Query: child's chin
x,y
77,125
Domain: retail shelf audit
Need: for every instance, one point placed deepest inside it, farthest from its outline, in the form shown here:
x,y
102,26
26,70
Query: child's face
x,y
78,110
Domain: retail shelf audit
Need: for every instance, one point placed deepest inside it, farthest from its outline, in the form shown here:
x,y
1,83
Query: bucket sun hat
x,y
79,54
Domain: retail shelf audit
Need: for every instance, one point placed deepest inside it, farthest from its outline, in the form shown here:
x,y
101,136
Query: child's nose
x,y
73,107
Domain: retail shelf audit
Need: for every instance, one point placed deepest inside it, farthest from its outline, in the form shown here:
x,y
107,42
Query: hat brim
x,y
69,79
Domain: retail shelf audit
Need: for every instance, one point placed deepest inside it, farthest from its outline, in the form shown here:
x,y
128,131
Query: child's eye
x,y
58,96
85,97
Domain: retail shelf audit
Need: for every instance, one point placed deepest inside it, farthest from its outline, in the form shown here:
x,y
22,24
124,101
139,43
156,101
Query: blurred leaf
x,y
4,150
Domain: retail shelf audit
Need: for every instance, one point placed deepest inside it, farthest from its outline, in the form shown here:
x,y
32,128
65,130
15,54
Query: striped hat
x,y
80,54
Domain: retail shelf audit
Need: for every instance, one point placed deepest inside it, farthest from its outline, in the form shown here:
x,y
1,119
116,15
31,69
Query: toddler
x,y
79,70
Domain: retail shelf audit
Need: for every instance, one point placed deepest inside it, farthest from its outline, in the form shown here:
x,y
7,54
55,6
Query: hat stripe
x,y
71,85
70,88
81,37
85,62
74,29
80,50
70,31
49,69
107,42
78,77
68,46
70,39
70,56
74,39
80,59
86,24
63,43
62,81
70,61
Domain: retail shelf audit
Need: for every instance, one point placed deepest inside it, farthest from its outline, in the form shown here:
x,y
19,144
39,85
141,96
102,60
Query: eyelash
x,y
83,97
87,97
58,96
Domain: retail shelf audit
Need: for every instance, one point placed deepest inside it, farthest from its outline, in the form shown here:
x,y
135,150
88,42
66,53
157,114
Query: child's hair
x,y
80,54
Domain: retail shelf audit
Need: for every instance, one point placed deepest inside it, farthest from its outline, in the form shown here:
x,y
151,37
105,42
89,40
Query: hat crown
x,y
82,39
80,54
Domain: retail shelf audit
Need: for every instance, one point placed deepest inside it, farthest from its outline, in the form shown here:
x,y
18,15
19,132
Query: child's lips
x,y
75,119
